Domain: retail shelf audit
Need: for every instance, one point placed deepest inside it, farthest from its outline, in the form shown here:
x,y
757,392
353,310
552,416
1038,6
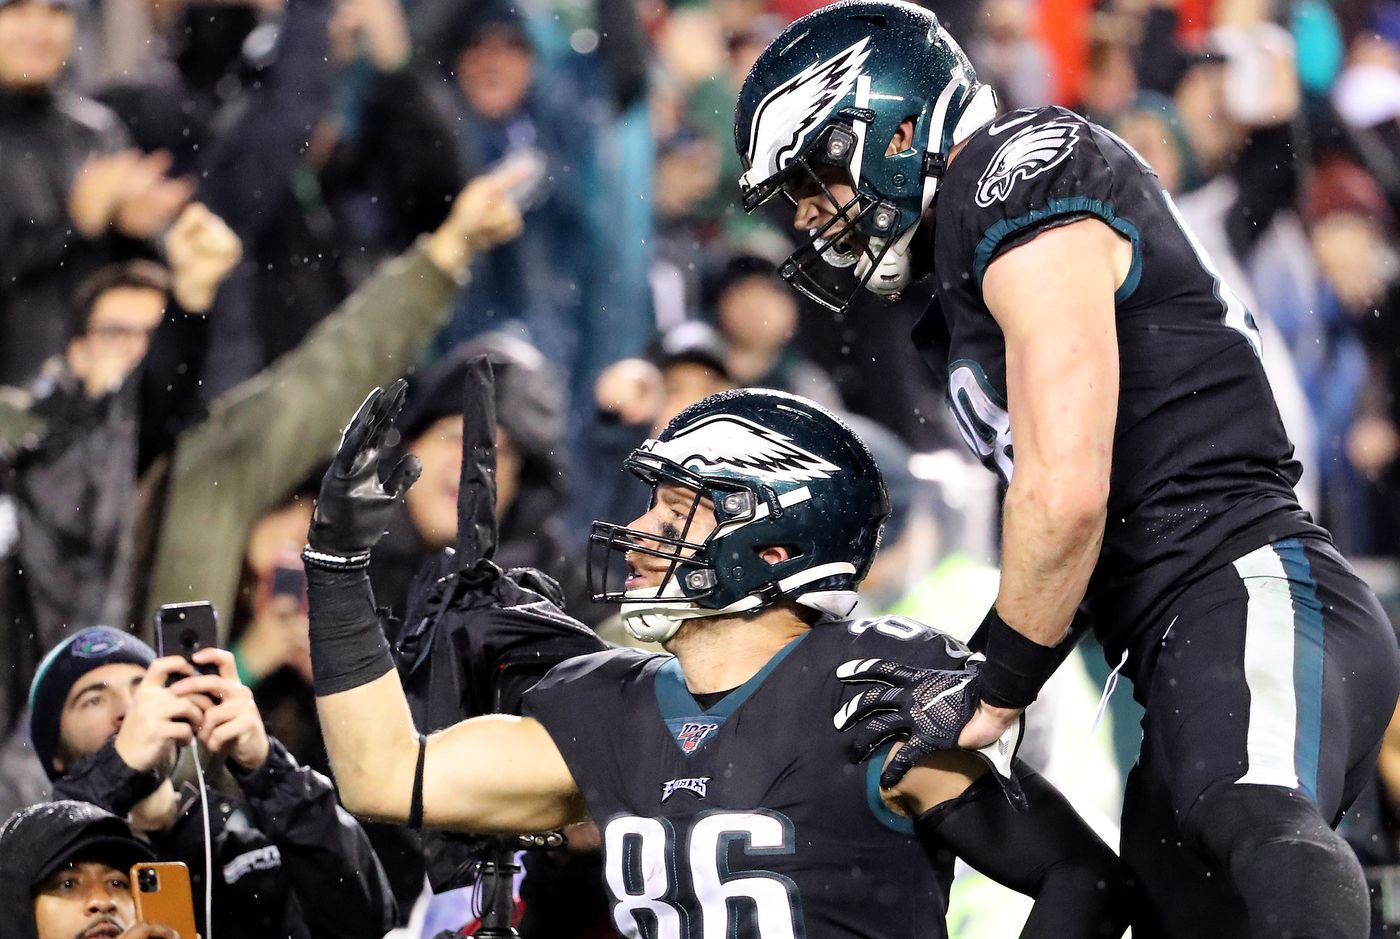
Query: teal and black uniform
x,y
745,816
1203,471
1246,634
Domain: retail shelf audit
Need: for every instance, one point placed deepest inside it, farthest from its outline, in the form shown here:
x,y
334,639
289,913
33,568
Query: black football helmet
x,y
780,471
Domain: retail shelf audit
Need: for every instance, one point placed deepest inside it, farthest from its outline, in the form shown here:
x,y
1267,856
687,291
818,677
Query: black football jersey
x,y
1203,470
747,819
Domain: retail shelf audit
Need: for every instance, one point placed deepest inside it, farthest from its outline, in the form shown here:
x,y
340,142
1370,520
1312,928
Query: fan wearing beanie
x,y
107,719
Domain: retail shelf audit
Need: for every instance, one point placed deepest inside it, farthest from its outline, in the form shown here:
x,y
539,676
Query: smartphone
x,y
185,628
533,168
290,582
163,896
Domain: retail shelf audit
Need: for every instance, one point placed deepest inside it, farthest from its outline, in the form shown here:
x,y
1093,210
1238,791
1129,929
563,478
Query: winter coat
x,y
291,863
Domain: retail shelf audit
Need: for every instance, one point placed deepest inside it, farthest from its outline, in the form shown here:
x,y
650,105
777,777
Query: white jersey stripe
x,y
1268,670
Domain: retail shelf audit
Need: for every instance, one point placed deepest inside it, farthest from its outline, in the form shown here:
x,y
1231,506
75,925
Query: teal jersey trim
x,y
875,764
1055,208
1308,665
691,725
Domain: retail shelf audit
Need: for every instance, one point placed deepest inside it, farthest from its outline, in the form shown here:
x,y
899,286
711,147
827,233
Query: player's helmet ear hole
x,y
770,554
902,140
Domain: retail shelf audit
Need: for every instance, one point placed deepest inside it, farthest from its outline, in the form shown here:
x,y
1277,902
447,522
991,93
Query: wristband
x,y
1016,667
333,562
348,648
415,802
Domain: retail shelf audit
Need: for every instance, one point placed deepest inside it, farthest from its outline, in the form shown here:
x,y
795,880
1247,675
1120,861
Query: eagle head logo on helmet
x,y
778,470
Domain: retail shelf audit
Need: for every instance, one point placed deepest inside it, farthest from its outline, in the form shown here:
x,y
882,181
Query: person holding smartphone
x,y
65,872
108,717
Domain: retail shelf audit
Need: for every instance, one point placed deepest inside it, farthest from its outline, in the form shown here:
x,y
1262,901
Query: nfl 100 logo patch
x,y
693,733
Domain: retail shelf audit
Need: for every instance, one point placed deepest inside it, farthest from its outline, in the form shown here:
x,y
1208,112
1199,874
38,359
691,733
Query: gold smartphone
x,y
163,896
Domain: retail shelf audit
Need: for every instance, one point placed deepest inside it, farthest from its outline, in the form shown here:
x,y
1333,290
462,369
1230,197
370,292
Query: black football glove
x,y
927,708
354,507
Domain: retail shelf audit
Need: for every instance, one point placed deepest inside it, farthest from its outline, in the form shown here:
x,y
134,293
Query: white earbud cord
x,y
208,844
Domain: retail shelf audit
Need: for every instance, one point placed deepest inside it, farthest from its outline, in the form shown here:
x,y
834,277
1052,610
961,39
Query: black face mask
x,y
212,37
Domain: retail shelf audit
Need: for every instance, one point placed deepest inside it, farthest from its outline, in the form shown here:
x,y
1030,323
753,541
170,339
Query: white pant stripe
x,y
1268,670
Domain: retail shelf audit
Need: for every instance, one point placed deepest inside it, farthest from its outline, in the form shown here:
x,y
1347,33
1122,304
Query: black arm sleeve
x,y
1080,886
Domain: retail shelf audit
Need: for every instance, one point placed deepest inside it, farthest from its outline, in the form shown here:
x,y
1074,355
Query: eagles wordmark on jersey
x,y
746,818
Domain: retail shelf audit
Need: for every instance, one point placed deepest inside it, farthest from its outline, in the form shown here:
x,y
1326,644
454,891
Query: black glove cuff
x,y
1016,667
348,648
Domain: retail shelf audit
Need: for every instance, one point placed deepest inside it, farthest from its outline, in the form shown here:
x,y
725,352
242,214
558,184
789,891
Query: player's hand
x,y
159,720
926,707
931,710
232,728
354,507
201,249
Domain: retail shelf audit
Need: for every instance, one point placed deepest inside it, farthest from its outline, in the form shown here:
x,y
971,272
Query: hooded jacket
x,y
38,839
290,861
45,137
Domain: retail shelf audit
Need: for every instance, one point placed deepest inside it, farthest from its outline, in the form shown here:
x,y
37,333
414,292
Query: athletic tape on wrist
x,y
348,648
1016,667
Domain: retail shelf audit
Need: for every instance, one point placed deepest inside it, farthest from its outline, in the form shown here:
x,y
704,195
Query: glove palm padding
x,y
927,708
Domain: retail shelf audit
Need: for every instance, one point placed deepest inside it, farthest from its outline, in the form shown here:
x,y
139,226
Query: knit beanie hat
x,y
60,670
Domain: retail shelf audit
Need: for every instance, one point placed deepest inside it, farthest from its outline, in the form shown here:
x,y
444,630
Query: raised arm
x,y
488,774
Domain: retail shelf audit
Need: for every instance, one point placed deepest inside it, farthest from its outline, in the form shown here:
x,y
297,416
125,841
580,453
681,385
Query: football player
x,y
1150,489
726,798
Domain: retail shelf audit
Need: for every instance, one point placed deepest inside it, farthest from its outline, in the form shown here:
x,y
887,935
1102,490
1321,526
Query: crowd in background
x,y
223,221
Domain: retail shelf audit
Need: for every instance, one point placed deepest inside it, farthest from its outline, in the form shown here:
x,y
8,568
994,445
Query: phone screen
x,y
185,628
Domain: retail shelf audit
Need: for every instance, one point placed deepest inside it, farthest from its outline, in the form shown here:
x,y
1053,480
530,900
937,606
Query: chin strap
x,y
892,269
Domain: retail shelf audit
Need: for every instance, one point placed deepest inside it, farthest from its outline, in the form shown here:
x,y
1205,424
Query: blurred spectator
x,y
530,482
573,285
98,416
757,315
692,362
233,93
1348,225
266,436
1109,84
64,874
107,723
1008,55
389,163
73,194
270,626
633,398
261,441
1151,127
1367,97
